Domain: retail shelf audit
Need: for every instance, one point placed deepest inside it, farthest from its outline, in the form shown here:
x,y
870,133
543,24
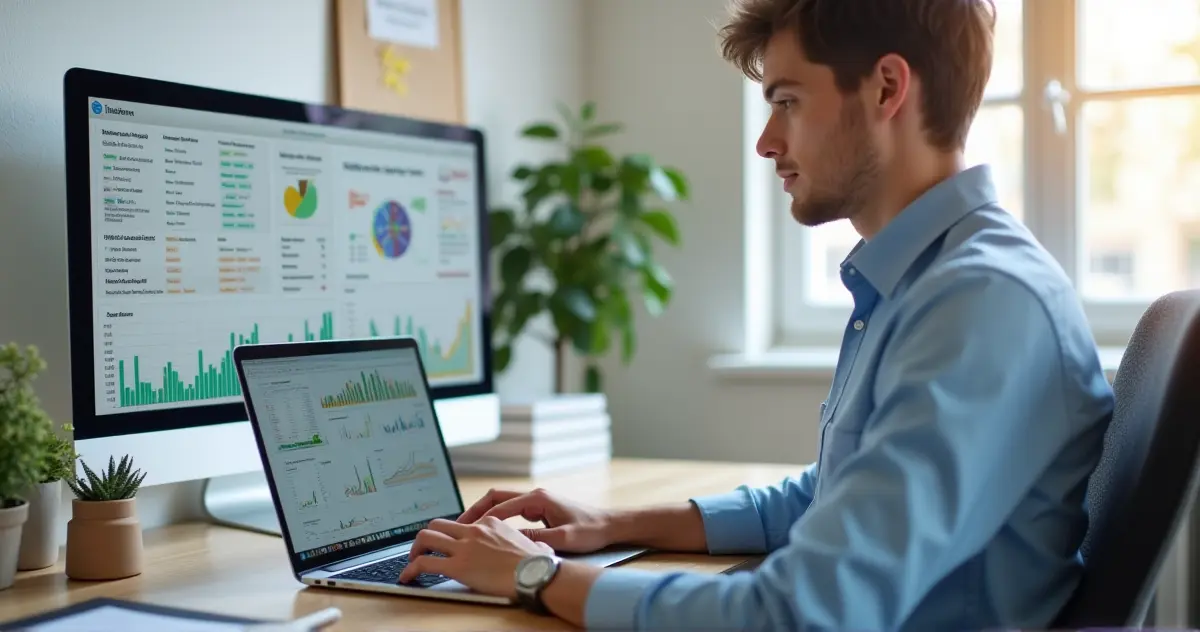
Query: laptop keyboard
x,y
387,571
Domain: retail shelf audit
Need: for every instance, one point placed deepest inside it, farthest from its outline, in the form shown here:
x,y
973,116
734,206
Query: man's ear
x,y
891,81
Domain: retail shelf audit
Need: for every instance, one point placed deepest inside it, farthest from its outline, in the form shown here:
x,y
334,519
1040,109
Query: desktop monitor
x,y
201,219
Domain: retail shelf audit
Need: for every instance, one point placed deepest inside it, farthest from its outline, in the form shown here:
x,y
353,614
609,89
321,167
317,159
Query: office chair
x,y
1143,489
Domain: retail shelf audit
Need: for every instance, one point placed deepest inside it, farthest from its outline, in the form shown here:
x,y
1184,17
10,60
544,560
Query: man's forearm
x,y
668,528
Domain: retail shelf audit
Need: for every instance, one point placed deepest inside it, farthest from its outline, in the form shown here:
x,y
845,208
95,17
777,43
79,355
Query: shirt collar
x,y
884,260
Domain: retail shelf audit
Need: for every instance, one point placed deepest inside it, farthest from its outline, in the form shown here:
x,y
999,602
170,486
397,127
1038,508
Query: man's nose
x,y
768,145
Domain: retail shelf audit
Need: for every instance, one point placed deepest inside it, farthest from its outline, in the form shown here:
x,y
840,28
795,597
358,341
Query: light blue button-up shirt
x,y
967,410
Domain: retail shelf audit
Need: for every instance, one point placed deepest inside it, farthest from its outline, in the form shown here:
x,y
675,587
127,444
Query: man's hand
x,y
482,556
570,527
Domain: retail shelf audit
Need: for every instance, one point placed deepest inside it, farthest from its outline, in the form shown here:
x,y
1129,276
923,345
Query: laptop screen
x,y
353,447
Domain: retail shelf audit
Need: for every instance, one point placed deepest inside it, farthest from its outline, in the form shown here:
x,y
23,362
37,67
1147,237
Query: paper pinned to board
x,y
409,22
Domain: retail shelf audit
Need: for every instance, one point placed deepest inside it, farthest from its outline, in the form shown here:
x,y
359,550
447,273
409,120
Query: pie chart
x,y
300,199
391,230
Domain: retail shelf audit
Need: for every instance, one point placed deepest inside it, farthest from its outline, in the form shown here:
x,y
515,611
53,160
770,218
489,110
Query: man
x,y
968,405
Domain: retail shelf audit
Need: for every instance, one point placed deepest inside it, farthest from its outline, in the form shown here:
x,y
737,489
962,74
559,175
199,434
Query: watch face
x,y
534,570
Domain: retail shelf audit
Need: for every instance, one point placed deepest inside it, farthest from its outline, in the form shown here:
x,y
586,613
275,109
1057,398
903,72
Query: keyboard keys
x,y
387,571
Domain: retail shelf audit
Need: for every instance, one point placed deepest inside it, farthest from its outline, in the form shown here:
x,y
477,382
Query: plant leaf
x,y
654,304
679,181
540,130
571,181
628,343
603,129
543,240
566,221
618,306
501,226
657,288
579,303
522,172
658,275
663,224
95,487
501,358
602,183
536,193
527,306
587,112
662,183
601,341
514,265
593,381
595,158
631,249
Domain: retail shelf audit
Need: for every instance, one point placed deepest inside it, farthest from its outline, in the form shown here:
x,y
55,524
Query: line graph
x,y
411,471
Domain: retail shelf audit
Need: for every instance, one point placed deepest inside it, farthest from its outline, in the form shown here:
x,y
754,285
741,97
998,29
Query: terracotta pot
x,y
39,538
104,539
11,520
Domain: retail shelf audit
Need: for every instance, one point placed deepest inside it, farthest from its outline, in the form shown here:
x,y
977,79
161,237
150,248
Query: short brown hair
x,y
947,43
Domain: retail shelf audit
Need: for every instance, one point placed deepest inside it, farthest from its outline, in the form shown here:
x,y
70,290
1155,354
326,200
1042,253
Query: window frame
x,y
1050,52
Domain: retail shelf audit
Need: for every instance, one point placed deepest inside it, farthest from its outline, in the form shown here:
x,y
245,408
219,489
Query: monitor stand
x,y
242,501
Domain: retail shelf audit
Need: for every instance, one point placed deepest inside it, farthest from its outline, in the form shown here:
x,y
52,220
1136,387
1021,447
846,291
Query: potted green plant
x,y
39,538
104,537
23,429
581,245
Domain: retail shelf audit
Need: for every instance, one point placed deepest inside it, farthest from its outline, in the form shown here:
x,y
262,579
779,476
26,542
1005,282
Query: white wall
x,y
512,73
655,67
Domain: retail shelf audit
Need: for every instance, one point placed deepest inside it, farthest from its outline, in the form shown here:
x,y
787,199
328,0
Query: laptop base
x,y
241,501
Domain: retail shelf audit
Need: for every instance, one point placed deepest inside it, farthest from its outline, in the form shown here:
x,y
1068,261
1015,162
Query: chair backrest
x,y
1144,486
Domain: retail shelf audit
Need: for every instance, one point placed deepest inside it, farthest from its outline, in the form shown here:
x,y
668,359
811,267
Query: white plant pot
x,y
39,538
11,520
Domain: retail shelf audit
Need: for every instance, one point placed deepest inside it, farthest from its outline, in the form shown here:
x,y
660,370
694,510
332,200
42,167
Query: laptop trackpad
x,y
606,557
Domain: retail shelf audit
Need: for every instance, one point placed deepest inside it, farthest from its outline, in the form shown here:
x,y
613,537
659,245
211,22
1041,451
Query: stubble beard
x,y
853,174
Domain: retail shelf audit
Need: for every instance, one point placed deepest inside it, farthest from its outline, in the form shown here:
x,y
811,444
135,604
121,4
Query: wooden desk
x,y
229,571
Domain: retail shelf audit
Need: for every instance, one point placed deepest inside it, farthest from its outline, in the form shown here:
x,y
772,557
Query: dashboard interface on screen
x,y
352,447
212,230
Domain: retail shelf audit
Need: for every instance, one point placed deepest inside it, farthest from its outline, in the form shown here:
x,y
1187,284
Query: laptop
x,y
356,462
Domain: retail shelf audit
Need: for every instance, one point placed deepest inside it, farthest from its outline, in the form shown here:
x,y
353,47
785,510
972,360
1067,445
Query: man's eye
x,y
785,104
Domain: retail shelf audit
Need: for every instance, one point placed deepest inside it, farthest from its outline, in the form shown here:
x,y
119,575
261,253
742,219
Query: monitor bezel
x,y
81,84
291,350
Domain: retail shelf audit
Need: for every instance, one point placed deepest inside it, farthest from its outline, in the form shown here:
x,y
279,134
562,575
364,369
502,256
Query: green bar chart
x,y
455,359
204,377
371,387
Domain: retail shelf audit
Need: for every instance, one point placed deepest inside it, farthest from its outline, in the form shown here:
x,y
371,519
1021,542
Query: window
x,y
1193,262
1091,123
1111,273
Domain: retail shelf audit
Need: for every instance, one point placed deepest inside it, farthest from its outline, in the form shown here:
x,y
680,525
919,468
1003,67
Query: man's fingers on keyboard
x,y
425,564
432,541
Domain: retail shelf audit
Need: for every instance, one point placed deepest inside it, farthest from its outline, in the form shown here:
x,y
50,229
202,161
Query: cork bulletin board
x,y
401,57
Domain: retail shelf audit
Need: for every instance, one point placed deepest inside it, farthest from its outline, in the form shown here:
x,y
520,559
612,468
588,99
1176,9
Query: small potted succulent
x,y
104,537
39,538
23,430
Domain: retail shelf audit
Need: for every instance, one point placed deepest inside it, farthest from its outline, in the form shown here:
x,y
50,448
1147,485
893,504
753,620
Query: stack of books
x,y
543,436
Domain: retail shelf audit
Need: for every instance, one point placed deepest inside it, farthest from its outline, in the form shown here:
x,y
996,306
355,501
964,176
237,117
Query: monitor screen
x,y
352,447
199,220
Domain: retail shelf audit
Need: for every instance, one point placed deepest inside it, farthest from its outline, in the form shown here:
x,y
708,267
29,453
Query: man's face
x,y
817,136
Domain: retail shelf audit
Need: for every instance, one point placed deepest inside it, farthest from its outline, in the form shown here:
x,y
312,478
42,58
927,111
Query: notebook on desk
x,y
356,462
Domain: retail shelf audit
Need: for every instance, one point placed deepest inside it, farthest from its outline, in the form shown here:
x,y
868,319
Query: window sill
x,y
818,363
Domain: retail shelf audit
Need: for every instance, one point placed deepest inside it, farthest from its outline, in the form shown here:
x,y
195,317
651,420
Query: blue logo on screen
x,y
96,107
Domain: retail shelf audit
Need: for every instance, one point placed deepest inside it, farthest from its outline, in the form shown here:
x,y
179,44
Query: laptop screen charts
x,y
353,447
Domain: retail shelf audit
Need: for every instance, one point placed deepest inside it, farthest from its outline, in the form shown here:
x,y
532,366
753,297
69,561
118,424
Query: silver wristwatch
x,y
533,573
